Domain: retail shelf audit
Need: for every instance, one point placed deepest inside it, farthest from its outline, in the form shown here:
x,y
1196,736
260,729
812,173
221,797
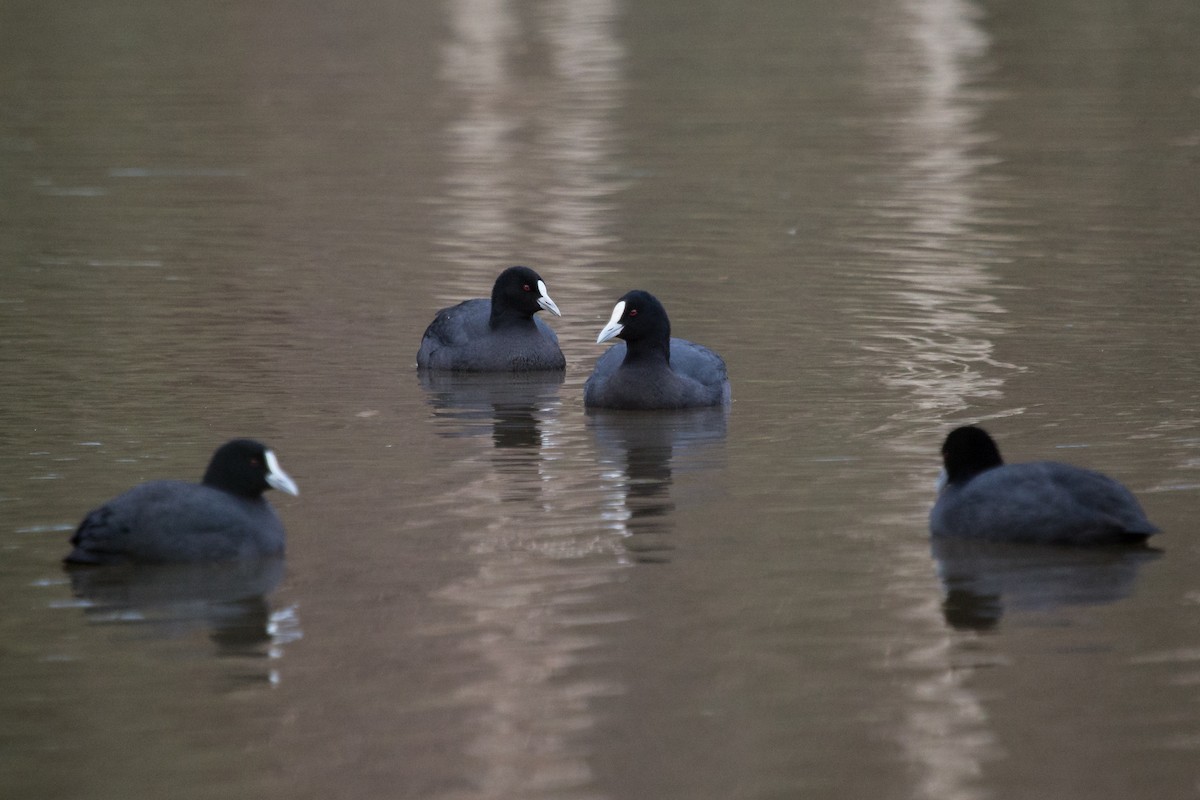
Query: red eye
x,y
527,288
633,312
254,460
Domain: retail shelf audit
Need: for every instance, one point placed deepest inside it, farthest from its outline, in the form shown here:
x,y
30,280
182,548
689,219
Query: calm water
x,y
889,217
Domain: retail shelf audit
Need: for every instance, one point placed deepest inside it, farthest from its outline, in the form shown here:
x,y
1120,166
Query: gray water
x,y
890,218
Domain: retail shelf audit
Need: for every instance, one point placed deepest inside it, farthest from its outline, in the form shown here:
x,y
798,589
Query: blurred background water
x,y
889,217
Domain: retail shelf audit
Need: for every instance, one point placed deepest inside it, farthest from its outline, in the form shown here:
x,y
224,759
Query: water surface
x,y
890,218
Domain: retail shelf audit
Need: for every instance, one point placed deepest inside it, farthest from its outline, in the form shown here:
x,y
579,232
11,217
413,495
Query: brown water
x,y
890,218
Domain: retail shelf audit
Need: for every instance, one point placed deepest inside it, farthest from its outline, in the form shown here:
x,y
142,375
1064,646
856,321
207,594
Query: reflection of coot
x,y
508,406
511,408
227,599
982,579
646,449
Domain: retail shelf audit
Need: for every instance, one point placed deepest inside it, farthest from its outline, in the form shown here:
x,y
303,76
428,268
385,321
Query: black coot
x,y
1044,501
651,370
497,335
222,518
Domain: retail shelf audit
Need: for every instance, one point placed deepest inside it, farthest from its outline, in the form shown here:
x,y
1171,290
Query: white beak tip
x,y
614,325
278,479
609,332
544,300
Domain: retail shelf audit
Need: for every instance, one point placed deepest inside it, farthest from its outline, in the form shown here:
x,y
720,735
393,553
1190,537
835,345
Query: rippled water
x,y
890,218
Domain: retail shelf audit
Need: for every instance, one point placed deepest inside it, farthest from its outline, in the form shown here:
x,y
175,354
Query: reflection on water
x,y
519,411
510,407
528,181
532,605
936,339
934,342
227,601
983,580
639,453
530,154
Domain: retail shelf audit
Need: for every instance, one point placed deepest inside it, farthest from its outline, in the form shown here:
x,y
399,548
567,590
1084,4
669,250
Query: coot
x,y
652,370
1045,501
223,517
496,335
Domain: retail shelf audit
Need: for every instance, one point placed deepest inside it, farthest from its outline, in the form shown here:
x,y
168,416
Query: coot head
x,y
247,468
521,290
638,317
968,451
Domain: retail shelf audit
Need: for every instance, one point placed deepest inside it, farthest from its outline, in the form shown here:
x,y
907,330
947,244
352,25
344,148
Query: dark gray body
x,y
176,521
696,377
1044,502
461,338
